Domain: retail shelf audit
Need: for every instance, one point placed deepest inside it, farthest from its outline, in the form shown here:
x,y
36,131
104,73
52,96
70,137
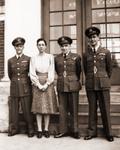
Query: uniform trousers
x,y
14,106
103,97
68,108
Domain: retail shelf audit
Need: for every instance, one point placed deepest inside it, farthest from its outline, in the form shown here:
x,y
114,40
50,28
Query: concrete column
x,y
22,18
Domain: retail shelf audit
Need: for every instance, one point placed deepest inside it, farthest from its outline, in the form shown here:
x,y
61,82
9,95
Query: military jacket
x,y
68,70
18,70
97,68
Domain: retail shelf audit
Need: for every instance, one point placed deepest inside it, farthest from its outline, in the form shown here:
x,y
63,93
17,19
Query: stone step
x,y
83,118
114,97
83,129
83,122
115,118
114,93
114,88
54,128
114,108
100,132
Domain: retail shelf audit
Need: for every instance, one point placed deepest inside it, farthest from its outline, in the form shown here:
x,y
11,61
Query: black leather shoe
x,y
75,135
30,134
60,135
46,134
12,133
39,134
110,138
89,137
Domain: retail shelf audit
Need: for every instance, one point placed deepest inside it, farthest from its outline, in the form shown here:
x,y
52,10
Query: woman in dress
x,y
42,77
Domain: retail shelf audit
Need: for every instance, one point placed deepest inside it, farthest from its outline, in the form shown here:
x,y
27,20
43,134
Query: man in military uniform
x,y
98,69
68,68
20,89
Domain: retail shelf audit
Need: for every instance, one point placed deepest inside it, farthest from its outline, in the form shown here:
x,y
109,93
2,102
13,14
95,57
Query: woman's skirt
x,y
44,102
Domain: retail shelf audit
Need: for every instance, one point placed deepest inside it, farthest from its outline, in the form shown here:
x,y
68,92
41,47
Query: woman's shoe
x,y
39,134
46,134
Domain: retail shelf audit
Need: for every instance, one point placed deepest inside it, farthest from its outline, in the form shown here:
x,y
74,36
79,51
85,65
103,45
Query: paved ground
x,y
22,142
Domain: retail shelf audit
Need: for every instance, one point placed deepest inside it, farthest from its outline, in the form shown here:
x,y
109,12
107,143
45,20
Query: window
x,y
62,15
106,16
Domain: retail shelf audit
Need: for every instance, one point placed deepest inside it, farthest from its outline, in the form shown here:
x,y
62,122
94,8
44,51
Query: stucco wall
x,y
4,93
22,18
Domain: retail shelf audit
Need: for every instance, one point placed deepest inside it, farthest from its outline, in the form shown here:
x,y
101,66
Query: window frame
x,y
46,24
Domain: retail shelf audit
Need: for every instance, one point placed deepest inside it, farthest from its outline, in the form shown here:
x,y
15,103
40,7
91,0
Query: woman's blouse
x,y
42,63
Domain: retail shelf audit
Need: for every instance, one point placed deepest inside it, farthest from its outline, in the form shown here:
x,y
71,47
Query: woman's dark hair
x,y
41,39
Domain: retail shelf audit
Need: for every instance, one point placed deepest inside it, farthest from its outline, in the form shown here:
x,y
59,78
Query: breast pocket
x,y
25,66
101,58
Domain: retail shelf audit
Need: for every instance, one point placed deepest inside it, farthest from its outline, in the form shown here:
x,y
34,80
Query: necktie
x,y
64,55
18,58
94,50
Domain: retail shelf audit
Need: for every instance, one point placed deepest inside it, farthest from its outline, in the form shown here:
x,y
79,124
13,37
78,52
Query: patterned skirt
x,y
44,102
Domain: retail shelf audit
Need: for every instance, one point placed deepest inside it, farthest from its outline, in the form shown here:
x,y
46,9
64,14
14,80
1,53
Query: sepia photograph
x,y
59,74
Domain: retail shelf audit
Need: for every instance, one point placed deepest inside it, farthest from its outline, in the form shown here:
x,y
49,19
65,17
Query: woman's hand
x,y
44,87
40,87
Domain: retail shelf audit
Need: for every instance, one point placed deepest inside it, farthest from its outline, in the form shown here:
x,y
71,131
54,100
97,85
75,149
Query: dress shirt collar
x,y
18,56
96,47
66,53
